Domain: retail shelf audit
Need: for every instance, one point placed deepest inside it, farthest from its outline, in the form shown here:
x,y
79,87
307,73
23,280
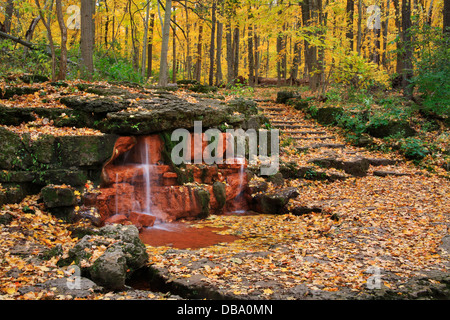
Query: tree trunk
x,y
63,57
297,55
399,66
150,46
236,52
47,24
198,63
251,61
29,33
163,74
106,23
408,49
9,10
385,27
280,50
230,55
188,43
257,58
446,17
87,38
359,35
133,26
145,39
350,11
219,75
376,51
212,44
174,51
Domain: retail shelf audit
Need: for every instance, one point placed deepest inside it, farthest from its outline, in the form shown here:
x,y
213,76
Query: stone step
x,y
304,132
273,109
322,145
356,166
385,173
381,162
283,122
314,138
298,126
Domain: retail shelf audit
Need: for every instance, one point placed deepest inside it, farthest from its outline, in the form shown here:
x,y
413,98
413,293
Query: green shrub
x,y
432,76
413,148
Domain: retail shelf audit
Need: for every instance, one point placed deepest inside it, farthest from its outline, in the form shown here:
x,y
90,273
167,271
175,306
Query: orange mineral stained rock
x,y
138,188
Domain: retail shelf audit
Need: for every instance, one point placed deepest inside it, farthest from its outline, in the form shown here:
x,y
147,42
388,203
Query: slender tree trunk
x,y
408,50
29,33
251,62
9,10
297,55
212,43
145,39
47,24
150,46
188,43
430,12
280,49
63,57
230,53
163,74
198,63
257,55
376,50
219,75
236,52
106,23
350,11
133,38
359,35
174,51
398,24
87,38
446,17
385,26
306,16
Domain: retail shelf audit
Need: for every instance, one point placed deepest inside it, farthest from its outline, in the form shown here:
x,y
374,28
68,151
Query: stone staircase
x,y
310,151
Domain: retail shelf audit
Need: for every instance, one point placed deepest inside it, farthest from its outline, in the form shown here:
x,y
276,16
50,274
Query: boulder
x,y
80,151
273,202
75,286
110,269
124,254
14,116
94,104
158,115
13,154
58,196
328,115
391,128
33,78
10,92
284,96
6,218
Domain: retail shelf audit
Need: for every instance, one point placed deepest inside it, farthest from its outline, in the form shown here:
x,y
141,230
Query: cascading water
x,y
146,166
139,187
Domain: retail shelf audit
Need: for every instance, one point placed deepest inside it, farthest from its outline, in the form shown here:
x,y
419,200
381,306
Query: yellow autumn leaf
x,y
10,290
267,291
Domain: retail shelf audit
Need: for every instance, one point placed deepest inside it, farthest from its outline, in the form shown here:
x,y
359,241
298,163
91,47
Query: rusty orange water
x,y
180,235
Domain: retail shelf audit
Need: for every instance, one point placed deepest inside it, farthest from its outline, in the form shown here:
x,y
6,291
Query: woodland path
x,y
365,225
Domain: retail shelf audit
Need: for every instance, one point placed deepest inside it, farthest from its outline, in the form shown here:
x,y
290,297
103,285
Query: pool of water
x,y
181,235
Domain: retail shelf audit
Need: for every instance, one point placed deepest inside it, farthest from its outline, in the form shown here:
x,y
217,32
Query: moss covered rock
x,y
58,196
391,128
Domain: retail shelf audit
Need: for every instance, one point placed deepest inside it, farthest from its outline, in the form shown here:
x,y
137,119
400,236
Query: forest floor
x,y
372,236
